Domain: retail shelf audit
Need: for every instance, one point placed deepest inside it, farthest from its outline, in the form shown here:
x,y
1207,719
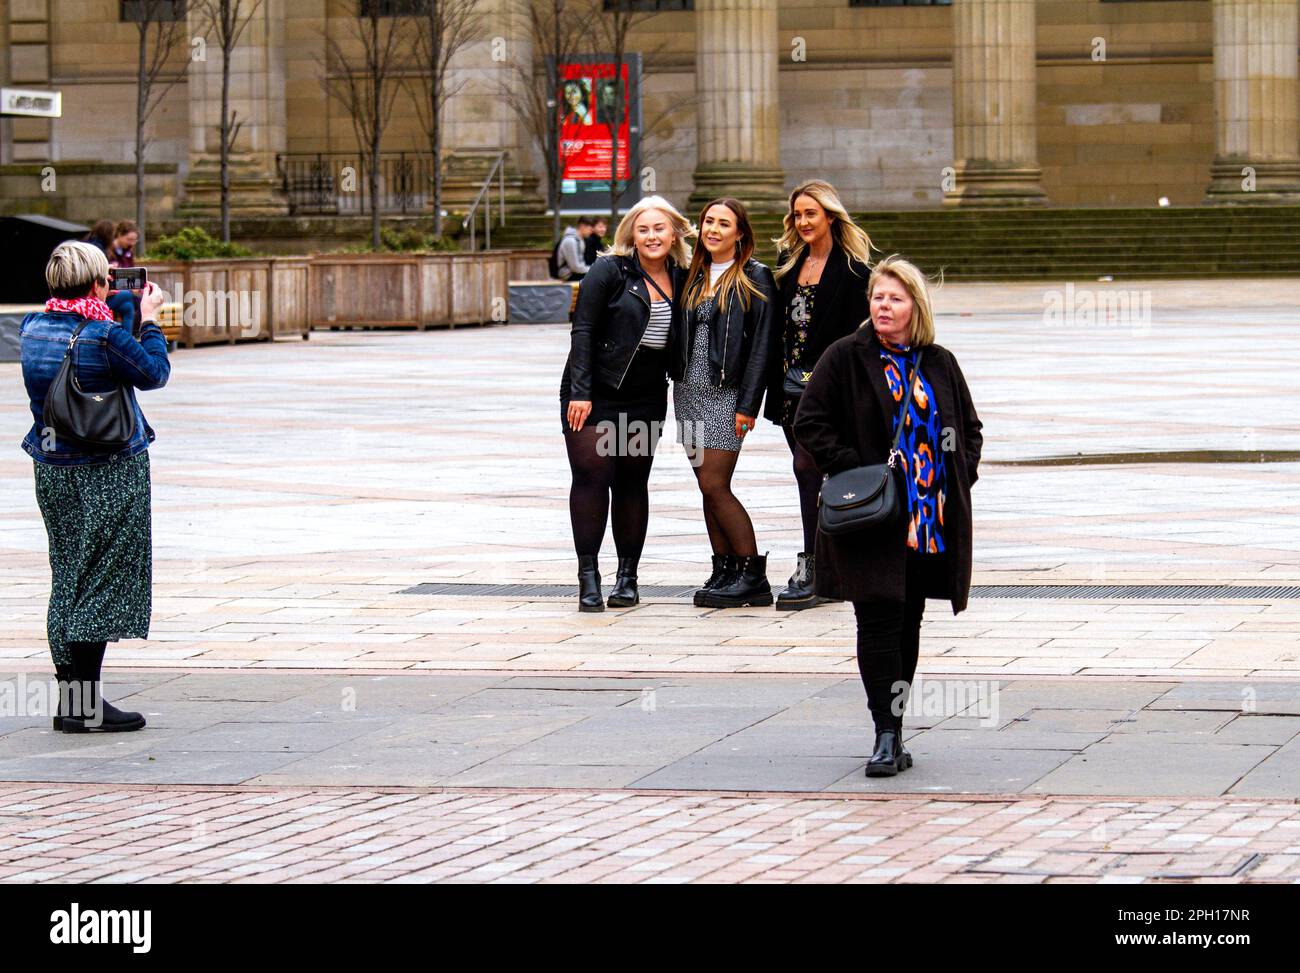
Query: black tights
x,y
595,479
889,642
88,659
809,480
730,529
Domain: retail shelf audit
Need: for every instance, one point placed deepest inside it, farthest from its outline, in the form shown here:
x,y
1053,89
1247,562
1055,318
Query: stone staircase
x,y
1018,244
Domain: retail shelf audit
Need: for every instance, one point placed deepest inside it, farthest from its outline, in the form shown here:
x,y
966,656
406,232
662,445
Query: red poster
x,y
589,100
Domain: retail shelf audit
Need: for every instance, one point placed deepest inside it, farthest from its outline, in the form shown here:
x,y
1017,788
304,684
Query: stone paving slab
x,y
684,732
166,834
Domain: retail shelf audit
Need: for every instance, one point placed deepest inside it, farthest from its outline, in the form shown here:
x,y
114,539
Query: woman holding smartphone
x,y
719,376
614,392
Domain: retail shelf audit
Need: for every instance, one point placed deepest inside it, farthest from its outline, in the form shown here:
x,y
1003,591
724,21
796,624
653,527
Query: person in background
x,y
847,418
595,241
95,504
101,235
570,264
125,236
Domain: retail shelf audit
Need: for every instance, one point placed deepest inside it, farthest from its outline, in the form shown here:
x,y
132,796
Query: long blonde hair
x,y
625,246
921,327
852,239
734,282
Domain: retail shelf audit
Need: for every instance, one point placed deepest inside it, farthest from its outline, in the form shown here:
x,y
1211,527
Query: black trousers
x,y
889,639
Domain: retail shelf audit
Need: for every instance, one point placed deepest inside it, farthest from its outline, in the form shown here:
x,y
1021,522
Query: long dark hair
x,y
734,283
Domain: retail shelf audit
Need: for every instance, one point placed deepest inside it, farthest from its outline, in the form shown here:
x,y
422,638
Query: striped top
x,y
656,332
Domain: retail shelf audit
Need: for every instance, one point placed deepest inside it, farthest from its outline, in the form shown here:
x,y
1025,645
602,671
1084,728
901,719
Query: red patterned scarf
x,y
91,308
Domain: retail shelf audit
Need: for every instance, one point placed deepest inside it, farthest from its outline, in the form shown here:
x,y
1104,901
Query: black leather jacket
x,y
740,342
611,317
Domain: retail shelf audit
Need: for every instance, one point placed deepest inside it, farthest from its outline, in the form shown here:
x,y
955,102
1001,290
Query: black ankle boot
x,y
88,710
907,757
724,569
887,760
625,593
748,586
65,679
800,591
589,599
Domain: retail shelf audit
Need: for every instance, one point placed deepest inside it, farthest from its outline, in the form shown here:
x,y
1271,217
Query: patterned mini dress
x,y
706,414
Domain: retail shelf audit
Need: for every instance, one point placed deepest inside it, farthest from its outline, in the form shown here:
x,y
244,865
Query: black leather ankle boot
x,y
66,678
800,591
724,568
88,710
589,599
887,760
748,586
625,593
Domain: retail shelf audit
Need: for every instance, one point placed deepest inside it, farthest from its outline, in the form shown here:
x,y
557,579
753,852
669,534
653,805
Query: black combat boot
x,y
89,711
724,568
887,760
801,589
749,586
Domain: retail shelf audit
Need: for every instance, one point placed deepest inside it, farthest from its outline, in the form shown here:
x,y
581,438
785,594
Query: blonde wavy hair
x,y
921,327
624,244
851,238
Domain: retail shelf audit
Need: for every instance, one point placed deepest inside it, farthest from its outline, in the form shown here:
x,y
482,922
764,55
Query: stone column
x,y
257,95
994,131
737,55
1255,90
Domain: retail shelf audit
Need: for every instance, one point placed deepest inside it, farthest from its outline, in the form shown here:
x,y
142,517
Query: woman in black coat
x,y
846,418
822,272
614,392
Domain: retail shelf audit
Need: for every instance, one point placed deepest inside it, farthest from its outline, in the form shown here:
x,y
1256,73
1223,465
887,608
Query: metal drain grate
x,y
1065,592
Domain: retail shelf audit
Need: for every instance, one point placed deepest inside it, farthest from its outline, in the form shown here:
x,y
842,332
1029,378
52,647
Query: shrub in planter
x,y
194,243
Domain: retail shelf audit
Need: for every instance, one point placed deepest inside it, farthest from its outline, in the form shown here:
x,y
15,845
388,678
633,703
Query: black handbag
x,y
867,496
97,421
796,380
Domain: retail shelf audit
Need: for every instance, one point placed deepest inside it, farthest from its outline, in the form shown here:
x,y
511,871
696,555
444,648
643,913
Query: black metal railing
x,y
338,183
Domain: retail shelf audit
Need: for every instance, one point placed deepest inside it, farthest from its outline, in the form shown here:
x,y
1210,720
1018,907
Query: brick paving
x,y
174,834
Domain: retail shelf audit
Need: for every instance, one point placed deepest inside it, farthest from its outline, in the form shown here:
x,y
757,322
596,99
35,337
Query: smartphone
x,y
127,278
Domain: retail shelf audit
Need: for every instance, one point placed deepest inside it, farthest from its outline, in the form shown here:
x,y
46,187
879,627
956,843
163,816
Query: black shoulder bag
x,y
98,421
867,496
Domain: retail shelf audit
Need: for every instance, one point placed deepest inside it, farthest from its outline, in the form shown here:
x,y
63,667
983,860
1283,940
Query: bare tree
x,y
442,29
366,87
612,30
158,32
227,19
556,29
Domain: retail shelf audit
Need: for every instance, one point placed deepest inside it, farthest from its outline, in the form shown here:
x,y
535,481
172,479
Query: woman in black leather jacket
x,y
719,374
614,393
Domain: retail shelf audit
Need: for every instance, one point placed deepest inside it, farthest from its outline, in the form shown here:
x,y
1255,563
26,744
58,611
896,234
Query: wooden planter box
x,y
419,290
239,299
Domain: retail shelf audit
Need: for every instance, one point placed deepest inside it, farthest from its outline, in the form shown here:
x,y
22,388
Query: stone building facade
x,y
1068,102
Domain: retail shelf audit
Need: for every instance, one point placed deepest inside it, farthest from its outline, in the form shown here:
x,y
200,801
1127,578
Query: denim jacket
x,y
106,355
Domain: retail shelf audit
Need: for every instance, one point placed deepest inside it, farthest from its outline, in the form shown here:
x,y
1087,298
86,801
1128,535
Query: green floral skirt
x,y
97,518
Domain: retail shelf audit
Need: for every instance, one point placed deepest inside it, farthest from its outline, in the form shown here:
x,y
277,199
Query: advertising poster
x,y
591,101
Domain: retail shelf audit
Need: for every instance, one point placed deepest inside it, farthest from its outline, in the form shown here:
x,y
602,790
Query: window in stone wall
x,y
649,4
135,11
395,8
900,3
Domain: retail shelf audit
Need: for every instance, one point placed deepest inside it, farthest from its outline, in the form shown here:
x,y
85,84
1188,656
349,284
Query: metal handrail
x,y
498,168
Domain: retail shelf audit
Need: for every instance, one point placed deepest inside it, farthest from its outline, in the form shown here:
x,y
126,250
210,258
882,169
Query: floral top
x,y
798,319
922,443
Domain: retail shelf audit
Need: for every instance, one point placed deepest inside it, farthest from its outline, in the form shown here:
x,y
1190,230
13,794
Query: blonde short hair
x,y
624,246
74,267
921,329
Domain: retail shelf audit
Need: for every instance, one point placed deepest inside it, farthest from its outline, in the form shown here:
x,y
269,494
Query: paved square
x,y
301,488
